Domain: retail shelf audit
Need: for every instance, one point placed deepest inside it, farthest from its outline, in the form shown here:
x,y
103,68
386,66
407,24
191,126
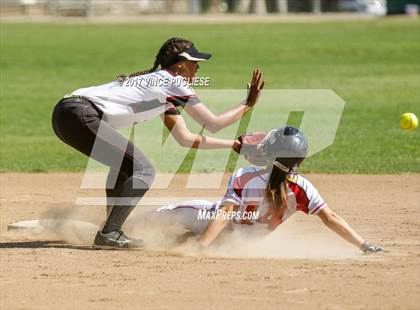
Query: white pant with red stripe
x,y
184,214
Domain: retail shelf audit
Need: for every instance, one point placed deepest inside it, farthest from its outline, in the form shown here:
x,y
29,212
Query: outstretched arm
x,y
342,228
215,122
179,130
215,227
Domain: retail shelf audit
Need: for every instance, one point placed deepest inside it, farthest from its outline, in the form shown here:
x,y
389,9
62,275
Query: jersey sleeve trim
x,y
318,209
183,100
307,197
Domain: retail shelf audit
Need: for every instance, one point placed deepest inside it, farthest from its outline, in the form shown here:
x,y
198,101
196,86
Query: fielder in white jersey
x,y
250,197
140,98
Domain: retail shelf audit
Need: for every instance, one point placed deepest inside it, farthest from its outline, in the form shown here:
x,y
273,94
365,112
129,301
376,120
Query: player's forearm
x,y
215,228
227,118
203,142
342,228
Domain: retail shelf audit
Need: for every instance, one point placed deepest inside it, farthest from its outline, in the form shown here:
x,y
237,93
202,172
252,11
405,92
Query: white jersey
x,y
246,189
140,98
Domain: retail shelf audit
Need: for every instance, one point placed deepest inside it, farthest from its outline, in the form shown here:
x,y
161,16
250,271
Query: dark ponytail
x,y
166,57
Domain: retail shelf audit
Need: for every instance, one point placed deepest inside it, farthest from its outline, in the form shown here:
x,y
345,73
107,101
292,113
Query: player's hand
x,y
257,84
237,144
369,248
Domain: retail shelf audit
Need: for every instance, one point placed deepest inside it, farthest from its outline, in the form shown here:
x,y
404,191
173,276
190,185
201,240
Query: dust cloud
x,y
301,237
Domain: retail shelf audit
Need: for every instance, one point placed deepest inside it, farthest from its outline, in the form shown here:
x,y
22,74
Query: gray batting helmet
x,y
286,145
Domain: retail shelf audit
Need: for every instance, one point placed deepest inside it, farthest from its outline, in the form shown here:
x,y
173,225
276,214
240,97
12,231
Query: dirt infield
x,y
303,266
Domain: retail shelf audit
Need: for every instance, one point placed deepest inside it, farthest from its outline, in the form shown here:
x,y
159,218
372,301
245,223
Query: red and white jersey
x,y
140,98
246,188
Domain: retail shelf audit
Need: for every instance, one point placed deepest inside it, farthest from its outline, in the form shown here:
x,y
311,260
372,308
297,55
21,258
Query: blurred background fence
x,y
101,8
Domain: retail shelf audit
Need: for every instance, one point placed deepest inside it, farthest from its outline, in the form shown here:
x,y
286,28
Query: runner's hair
x,y
166,57
276,190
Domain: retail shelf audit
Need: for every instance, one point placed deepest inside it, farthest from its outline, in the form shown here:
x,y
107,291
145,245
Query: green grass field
x,y
373,65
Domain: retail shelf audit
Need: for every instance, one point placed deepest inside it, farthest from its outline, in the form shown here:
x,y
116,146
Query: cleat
x,y
116,240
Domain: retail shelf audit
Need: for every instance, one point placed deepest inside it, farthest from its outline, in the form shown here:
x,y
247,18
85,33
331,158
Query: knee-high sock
x,y
130,193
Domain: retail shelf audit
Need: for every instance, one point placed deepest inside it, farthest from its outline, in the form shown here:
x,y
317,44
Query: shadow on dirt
x,y
43,244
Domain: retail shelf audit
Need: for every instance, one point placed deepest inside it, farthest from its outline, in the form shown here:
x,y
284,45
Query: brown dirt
x,y
309,267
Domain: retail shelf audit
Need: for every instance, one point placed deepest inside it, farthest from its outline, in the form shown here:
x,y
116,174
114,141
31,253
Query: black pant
x,y
77,122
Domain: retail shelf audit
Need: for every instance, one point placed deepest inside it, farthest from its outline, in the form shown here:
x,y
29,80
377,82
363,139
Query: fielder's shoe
x,y
116,240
